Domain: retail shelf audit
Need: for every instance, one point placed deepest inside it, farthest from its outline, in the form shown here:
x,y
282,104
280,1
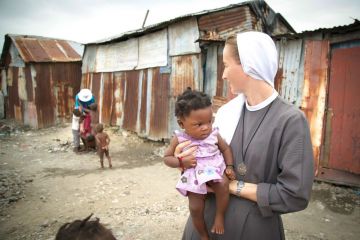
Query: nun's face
x,y
233,72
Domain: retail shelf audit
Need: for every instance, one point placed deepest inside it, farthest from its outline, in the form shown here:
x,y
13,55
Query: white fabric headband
x,y
258,55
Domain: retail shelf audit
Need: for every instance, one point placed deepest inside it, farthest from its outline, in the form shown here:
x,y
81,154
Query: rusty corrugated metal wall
x,y
290,75
135,100
314,90
303,79
42,94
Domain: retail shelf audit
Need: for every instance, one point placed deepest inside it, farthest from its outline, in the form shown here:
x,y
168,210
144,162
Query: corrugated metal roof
x,y
254,5
334,30
41,49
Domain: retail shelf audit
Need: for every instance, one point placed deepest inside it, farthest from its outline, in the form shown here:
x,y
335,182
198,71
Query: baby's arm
x,y
187,157
227,154
169,158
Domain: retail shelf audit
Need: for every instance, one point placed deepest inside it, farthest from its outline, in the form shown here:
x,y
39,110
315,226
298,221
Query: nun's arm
x,y
248,191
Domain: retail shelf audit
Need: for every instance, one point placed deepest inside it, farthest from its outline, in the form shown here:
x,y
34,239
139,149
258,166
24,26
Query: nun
x,y
270,142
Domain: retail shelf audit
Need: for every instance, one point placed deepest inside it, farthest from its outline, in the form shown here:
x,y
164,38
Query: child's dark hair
x,y
77,112
84,230
99,128
93,106
190,100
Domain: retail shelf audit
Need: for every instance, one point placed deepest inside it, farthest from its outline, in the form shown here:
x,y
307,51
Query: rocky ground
x,y
43,185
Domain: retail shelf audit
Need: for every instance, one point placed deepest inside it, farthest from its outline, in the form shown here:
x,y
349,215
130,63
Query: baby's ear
x,y
180,123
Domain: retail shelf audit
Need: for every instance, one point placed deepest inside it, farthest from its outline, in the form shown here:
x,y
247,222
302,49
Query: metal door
x,y
344,107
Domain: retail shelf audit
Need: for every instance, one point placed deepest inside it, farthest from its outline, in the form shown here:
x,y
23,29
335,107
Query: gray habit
x,y
279,158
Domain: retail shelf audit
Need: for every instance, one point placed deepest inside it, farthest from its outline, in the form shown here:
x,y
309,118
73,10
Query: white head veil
x,y
258,55
259,60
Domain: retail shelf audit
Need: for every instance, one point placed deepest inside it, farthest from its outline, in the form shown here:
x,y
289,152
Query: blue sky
x,y
90,20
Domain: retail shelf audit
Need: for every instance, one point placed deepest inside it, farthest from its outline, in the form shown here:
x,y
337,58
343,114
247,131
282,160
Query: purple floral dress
x,y
210,164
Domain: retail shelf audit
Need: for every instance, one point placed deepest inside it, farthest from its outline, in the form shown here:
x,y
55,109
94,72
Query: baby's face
x,y
198,124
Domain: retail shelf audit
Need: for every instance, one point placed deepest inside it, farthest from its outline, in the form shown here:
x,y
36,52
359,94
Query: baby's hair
x,y
99,128
93,106
77,112
191,100
84,230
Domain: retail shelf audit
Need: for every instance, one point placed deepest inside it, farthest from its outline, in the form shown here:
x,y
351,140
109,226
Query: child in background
x,y
213,158
76,129
102,141
84,230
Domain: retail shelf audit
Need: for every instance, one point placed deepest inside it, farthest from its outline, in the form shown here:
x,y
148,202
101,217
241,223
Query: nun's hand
x,y
187,156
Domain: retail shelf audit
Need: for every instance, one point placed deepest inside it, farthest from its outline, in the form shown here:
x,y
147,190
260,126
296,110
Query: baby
x,y
102,141
213,158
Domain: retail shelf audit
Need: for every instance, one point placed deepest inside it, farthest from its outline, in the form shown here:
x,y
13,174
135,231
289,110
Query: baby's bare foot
x,y
218,226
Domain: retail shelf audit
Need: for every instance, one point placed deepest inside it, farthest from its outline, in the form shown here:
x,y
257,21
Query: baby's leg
x,y
101,155
221,190
109,158
196,206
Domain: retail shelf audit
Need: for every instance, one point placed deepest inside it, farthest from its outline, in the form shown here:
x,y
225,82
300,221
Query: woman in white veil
x,y
270,141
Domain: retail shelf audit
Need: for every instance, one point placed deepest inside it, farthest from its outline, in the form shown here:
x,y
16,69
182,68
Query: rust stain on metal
x,y
338,177
278,80
52,49
45,50
159,105
314,90
119,83
29,84
43,96
66,82
221,24
107,98
131,100
220,70
182,75
86,80
143,109
70,53
95,86
35,50
344,100
51,95
13,95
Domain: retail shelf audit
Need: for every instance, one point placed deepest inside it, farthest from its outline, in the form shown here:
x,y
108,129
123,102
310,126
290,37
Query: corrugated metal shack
x,y
136,76
319,72
40,78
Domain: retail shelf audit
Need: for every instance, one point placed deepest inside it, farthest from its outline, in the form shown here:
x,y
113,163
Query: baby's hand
x,y
229,171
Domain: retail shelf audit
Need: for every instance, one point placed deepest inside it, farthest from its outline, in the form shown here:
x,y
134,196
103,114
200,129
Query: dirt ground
x,y
43,185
